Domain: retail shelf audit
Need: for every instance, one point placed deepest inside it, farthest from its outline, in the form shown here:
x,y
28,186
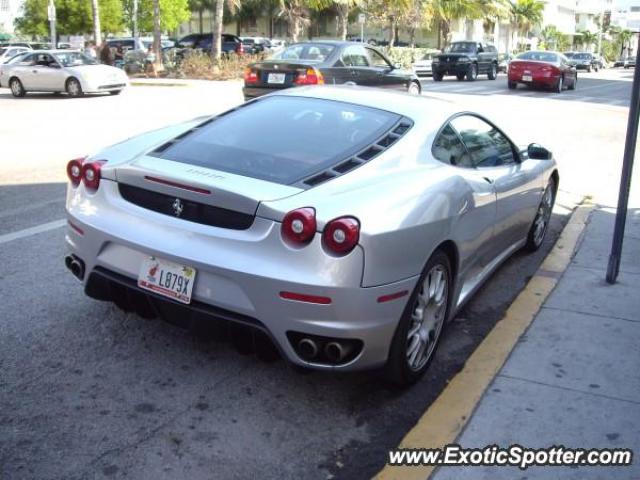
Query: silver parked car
x,y
67,71
347,224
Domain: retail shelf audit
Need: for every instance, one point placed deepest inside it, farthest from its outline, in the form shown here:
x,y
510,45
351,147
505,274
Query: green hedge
x,y
405,56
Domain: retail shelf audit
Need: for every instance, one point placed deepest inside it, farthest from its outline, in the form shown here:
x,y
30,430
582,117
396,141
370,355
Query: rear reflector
x,y
301,297
392,296
75,228
178,185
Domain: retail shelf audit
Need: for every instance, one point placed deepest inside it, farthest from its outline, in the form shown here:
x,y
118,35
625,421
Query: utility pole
x,y
51,11
613,268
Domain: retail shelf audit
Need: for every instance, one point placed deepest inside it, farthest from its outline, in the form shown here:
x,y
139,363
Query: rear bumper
x,y
537,80
239,280
254,92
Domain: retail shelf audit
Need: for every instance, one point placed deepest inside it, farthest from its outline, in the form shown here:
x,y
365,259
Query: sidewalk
x,y
573,379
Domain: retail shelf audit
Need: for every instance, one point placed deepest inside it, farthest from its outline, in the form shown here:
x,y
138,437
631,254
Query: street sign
x,y
361,18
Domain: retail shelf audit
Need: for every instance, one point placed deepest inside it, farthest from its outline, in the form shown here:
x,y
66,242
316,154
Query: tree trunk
x,y
97,34
216,45
343,20
392,32
200,22
295,27
157,33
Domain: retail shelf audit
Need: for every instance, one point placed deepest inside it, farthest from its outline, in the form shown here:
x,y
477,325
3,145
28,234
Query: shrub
x,y
405,56
199,65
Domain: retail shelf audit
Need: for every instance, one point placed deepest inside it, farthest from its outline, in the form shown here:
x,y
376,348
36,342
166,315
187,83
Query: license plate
x,y
276,78
167,278
527,78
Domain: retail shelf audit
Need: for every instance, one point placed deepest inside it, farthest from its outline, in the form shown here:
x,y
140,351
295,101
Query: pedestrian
x,y
150,63
90,50
106,55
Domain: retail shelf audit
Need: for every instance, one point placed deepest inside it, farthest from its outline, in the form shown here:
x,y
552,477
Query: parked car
x,y
619,62
581,60
503,62
16,44
67,71
203,41
542,69
348,225
598,62
466,60
630,62
330,62
422,67
7,53
255,45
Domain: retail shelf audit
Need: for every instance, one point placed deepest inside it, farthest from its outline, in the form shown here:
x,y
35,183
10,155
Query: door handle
x,y
487,179
34,71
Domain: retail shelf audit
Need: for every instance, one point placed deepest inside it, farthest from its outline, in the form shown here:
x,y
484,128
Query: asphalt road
x,y
87,391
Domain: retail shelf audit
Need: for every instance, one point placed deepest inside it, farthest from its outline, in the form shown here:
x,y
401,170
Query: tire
x,y
414,88
17,90
512,85
540,224
574,84
437,77
460,76
115,92
559,85
588,69
73,87
420,320
472,72
493,72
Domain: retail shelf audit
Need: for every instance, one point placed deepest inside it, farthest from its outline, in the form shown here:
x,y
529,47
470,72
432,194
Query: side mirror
x,y
538,152
397,66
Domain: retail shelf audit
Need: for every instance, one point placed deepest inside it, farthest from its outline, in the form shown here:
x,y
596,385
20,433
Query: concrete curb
x,y
448,414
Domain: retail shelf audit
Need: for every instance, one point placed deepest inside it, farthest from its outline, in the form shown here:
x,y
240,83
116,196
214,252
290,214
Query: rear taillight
x,y
74,171
91,174
309,77
341,235
250,76
299,226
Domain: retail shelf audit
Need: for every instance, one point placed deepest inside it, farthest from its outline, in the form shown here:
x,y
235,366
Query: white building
x,y
9,10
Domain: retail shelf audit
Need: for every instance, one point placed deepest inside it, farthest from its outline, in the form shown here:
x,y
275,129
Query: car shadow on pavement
x,y
6,95
88,390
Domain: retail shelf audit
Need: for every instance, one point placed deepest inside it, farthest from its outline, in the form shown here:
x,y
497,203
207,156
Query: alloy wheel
x,y
541,222
16,88
73,88
414,89
427,317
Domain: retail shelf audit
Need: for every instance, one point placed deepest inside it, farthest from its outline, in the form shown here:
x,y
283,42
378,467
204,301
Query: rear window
x,y
538,56
315,52
282,139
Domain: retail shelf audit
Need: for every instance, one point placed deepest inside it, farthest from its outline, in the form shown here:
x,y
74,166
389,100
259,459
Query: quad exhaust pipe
x,y
336,352
75,266
307,348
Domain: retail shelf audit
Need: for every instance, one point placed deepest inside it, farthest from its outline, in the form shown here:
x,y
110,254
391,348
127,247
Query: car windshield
x,y
309,136
73,59
315,52
539,56
248,41
461,47
17,58
582,56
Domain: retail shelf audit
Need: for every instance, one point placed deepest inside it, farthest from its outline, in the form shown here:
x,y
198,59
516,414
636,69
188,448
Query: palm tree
x,y
218,26
296,13
200,6
624,37
342,9
549,35
525,15
447,11
587,38
157,34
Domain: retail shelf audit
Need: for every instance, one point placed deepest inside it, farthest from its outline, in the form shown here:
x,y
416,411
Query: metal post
x,y
51,10
613,267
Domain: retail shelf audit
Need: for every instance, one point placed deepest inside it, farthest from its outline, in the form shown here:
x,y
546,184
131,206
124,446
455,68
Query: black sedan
x,y
327,62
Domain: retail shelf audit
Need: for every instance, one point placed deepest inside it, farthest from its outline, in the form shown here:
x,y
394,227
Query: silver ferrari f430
x,y
346,224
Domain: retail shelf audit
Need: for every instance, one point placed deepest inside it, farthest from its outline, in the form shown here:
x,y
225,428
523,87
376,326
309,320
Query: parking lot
x,y
89,391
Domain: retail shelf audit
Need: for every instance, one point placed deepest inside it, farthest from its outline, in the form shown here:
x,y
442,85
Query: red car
x,y
542,69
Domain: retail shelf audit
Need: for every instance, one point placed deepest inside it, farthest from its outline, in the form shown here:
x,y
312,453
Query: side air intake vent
x,y
361,157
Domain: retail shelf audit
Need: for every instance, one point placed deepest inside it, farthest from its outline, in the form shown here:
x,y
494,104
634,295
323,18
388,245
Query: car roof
x,y
431,112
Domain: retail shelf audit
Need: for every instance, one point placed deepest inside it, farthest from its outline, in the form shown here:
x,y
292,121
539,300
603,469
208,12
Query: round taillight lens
x,y
299,226
341,235
91,175
74,171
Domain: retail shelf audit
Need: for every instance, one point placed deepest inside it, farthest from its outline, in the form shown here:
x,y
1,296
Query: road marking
x,y
602,85
27,232
449,413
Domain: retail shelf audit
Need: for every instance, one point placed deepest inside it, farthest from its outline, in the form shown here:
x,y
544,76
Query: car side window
x,y
487,146
377,60
448,148
28,60
355,56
